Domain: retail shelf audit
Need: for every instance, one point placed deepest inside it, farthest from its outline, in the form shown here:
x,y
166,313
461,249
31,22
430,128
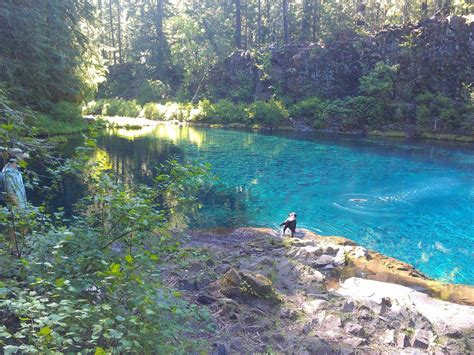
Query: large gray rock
x,y
244,285
421,339
446,317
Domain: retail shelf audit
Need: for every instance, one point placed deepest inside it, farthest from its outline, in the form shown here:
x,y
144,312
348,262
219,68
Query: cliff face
x,y
435,55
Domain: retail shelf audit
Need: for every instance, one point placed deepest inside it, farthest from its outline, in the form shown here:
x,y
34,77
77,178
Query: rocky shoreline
x,y
318,295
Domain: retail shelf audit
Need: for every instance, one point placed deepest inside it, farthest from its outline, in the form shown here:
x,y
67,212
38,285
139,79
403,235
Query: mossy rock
x,y
247,285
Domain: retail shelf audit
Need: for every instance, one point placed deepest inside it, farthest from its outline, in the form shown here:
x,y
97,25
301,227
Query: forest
x,y
220,57
108,268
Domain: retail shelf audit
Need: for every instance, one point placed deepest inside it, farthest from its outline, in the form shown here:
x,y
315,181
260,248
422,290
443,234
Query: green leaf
x,y
129,259
115,269
99,351
45,331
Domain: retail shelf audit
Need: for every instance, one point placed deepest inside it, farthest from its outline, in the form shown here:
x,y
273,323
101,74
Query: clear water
x,y
413,201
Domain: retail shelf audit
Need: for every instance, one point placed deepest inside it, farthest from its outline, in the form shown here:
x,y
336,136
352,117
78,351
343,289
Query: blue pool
x,y
410,200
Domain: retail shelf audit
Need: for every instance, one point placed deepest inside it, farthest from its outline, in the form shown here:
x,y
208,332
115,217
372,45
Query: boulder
x,y
244,285
421,339
323,260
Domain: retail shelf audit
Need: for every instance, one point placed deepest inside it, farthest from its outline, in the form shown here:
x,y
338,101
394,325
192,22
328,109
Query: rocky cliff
x,y
434,55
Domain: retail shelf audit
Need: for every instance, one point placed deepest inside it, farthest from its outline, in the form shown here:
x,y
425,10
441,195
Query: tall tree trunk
x,y
111,17
238,24
406,11
286,35
119,32
159,21
259,24
305,21
268,18
246,25
315,21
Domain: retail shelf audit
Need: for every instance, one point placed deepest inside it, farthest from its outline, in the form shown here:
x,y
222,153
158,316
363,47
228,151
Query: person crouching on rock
x,y
290,223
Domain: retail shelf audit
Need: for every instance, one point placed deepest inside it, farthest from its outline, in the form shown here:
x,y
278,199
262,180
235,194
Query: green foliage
x,y
91,284
270,113
225,111
121,107
436,112
65,111
153,91
379,82
309,109
366,110
47,51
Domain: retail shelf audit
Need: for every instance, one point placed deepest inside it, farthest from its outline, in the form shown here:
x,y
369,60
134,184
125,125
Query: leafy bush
x,y
225,111
436,112
91,285
308,109
365,110
66,111
152,111
121,107
379,82
269,113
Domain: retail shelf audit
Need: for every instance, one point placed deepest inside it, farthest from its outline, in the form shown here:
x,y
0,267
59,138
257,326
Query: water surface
x,y
410,200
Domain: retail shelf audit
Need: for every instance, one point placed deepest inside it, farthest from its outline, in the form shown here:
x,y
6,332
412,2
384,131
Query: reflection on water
x,y
413,201
171,132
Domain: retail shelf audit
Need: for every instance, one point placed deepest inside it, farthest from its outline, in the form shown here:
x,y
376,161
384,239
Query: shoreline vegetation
x,y
140,121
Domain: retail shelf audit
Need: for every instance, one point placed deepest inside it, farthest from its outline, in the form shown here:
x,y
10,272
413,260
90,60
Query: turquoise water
x,y
412,201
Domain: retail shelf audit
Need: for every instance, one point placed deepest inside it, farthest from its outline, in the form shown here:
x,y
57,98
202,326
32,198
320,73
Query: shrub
x,y
66,111
379,82
365,110
308,109
90,284
225,111
121,107
152,111
269,113
204,111
436,112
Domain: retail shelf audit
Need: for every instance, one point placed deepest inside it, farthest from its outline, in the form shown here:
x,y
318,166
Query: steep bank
x,y
314,294
413,78
435,54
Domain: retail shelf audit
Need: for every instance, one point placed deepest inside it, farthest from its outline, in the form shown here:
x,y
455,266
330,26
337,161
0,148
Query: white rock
x,y
388,336
446,317
313,306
